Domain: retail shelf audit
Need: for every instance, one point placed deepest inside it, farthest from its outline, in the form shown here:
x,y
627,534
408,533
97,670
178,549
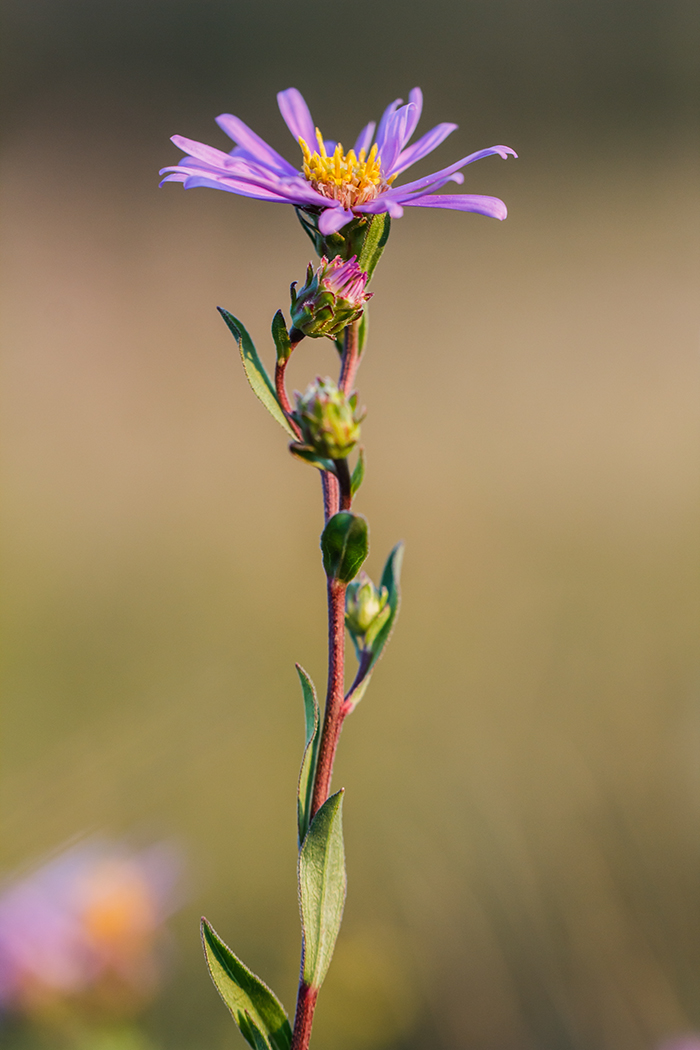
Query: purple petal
x,y
425,145
415,96
364,140
379,205
491,206
243,136
297,116
333,219
429,180
215,157
395,138
386,117
194,181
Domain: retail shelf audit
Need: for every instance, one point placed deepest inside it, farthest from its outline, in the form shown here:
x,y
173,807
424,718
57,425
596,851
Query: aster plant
x,y
345,203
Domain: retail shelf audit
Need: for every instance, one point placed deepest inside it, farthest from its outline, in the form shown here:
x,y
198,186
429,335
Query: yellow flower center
x,y
344,177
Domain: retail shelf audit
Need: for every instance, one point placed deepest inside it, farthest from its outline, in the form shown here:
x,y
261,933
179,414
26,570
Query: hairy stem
x,y
333,716
331,494
351,357
280,387
304,1016
344,482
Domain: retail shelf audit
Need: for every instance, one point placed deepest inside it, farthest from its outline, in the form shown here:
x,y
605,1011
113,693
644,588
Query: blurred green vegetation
x,y
522,776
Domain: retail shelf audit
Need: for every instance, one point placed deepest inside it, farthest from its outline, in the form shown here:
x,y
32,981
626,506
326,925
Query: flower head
x,y
326,418
332,298
331,184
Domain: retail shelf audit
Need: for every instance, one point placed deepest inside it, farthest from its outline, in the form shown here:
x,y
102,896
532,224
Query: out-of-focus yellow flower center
x,y
344,177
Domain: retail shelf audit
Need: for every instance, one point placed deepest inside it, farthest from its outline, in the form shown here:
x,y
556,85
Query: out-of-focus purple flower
x,y
84,922
334,185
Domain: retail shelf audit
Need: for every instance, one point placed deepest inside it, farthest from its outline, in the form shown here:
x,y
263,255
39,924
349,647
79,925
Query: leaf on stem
x,y
362,331
345,545
308,764
358,474
281,336
322,886
256,1010
374,242
307,455
255,371
390,579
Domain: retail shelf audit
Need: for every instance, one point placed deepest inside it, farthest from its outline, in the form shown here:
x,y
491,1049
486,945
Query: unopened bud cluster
x,y
332,298
327,419
366,610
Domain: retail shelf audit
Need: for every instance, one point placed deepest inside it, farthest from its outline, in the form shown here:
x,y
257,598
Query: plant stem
x,y
333,716
280,369
304,1016
335,495
351,357
331,494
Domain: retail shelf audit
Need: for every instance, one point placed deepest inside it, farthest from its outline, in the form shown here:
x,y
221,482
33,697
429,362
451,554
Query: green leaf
x,y
308,764
322,885
390,579
357,476
374,242
255,371
307,455
256,1010
281,337
362,331
345,545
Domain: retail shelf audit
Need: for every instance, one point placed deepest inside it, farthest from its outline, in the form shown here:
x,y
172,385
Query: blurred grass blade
x,y
322,885
255,371
255,1009
308,764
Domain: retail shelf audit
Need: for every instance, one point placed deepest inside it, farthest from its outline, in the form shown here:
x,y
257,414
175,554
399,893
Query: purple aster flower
x,y
333,185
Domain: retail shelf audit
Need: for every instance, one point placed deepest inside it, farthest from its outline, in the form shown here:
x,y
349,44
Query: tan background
x,y
522,778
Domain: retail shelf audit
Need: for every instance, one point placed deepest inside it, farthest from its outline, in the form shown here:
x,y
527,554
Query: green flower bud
x,y
366,610
332,298
326,418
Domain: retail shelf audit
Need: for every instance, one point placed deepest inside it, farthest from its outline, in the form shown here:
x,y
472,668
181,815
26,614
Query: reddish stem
x,y
331,494
333,717
351,357
280,369
304,1016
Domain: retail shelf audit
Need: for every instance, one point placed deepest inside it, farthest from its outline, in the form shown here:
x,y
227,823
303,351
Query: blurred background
x,y
523,783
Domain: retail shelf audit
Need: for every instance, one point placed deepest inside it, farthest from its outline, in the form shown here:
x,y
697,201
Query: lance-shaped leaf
x,y
281,336
308,764
368,657
374,242
256,1010
362,331
322,885
358,474
345,545
255,371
